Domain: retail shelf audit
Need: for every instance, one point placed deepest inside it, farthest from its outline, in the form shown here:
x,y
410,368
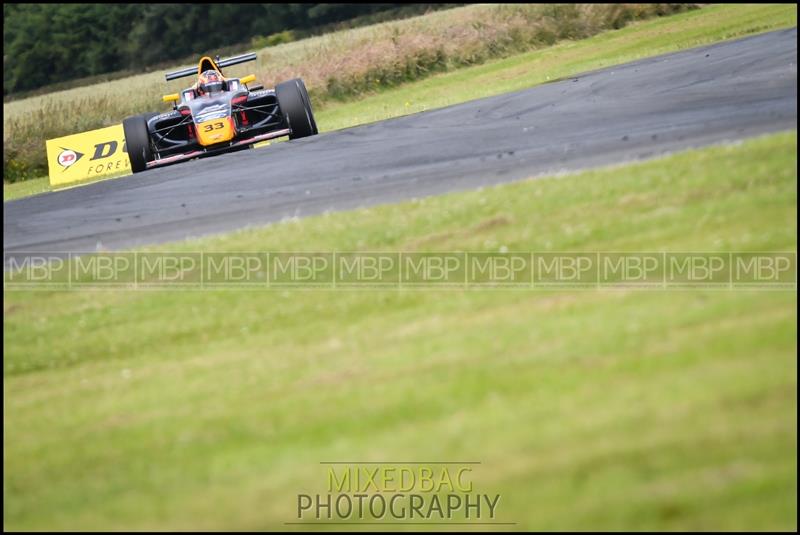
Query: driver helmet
x,y
210,82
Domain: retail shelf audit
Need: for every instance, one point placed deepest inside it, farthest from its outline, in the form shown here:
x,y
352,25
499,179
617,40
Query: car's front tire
x,y
137,141
295,105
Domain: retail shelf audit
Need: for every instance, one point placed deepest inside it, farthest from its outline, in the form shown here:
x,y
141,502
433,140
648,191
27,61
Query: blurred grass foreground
x,y
587,409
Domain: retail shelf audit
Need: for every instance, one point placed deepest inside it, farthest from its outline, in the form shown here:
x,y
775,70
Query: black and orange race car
x,y
217,114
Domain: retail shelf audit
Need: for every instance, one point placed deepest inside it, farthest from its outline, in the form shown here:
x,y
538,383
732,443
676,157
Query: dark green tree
x,y
52,43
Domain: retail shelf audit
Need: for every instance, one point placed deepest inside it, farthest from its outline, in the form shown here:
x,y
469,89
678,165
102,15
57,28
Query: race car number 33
x,y
216,125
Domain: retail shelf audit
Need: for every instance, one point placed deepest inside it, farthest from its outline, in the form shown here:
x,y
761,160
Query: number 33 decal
x,y
214,126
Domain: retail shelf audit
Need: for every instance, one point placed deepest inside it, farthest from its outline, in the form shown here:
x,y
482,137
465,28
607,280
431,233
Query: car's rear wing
x,y
206,63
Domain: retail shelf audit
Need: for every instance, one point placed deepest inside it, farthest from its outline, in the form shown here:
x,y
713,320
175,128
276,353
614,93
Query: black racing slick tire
x,y
296,108
307,101
137,141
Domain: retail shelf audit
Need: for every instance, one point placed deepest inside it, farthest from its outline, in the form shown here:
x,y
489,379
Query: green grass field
x,y
640,39
625,409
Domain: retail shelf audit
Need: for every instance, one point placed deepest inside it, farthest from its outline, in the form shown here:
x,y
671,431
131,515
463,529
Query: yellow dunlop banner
x,y
93,154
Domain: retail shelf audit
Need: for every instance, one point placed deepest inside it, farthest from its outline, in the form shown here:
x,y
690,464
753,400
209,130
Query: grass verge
x,y
641,39
25,188
712,24
605,410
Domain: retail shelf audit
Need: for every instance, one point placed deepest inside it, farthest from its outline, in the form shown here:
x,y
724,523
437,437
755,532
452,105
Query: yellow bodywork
x,y
215,131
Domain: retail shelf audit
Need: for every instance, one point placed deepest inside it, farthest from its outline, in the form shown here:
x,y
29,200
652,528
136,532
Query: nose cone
x,y
215,131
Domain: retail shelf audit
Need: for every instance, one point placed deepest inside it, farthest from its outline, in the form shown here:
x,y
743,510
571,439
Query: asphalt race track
x,y
721,92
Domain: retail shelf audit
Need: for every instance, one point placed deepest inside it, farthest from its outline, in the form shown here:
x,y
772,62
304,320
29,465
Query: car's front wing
x,y
239,143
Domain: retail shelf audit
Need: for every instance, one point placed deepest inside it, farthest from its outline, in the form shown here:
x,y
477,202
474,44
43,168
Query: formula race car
x,y
217,114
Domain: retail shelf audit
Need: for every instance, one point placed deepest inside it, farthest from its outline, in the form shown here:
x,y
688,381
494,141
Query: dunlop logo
x,y
68,157
93,154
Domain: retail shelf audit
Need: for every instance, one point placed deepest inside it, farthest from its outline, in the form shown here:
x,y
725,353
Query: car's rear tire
x,y
137,141
296,108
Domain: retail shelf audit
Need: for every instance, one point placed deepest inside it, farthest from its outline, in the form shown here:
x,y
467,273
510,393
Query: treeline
x,y
53,43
